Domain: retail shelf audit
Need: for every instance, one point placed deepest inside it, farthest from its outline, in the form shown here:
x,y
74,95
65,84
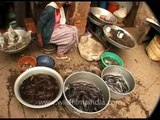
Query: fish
x,y
84,96
116,83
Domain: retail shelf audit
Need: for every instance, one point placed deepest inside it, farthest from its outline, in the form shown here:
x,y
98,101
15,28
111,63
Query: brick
x,y
81,31
30,25
81,28
80,22
78,16
70,10
83,8
81,19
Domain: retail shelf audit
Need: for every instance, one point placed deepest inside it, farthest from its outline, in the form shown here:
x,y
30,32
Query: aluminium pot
x,y
128,77
83,76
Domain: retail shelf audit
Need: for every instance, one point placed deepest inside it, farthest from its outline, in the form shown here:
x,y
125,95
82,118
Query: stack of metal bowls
x,y
96,12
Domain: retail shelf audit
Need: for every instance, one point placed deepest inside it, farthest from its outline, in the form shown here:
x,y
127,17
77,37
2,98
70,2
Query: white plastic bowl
x,y
38,70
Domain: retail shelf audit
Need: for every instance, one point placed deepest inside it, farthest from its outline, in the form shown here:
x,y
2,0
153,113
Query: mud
x,y
10,86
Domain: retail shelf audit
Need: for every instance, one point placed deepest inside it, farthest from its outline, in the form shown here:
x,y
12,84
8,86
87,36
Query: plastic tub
x,y
112,6
35,71
112,56
103,4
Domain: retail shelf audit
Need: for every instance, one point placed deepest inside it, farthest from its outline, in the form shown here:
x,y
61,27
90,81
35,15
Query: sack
x,y
90,49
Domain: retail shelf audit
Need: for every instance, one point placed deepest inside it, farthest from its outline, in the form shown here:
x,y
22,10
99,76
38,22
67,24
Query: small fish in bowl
x,y
110,61
26,66
26,62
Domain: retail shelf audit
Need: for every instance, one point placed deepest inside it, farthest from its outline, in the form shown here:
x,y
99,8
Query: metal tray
x,y
96,12
95,21
107,34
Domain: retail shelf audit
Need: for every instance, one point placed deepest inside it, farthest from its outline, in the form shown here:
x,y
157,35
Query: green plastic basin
x,y
113,56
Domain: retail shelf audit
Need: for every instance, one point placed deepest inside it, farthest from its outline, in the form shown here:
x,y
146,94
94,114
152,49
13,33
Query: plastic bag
x,y
1,41
121,13
90,49
12,36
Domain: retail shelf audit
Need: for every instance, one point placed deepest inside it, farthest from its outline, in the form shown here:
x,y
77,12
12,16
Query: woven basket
x,y
153,49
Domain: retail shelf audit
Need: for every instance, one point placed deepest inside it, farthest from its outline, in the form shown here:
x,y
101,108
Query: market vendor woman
x,y
52,29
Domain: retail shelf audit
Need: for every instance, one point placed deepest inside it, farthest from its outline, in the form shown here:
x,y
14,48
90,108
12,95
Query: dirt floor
x,y
139,104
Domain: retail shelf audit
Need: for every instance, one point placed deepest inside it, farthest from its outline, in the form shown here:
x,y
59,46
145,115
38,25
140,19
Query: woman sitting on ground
x,y
52,29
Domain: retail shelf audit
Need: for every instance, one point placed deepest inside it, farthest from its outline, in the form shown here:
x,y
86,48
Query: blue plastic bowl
x,y
46,61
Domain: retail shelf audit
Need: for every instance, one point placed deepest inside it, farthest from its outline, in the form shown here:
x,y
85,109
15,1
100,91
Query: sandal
x,y
65,58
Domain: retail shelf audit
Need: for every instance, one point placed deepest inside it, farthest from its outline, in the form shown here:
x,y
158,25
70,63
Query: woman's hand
x,y
40,42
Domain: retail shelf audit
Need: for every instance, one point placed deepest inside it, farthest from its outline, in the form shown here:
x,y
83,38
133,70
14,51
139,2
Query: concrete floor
x,y
139,104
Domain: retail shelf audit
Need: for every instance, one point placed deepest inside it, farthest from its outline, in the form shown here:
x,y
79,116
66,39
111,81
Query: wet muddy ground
x,y
139,104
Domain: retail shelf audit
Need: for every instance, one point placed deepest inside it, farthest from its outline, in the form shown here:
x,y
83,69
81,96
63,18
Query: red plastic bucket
x,y
112,6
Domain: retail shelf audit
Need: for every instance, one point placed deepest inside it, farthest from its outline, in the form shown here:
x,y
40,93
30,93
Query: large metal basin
x,y
114,69
107,34
91,78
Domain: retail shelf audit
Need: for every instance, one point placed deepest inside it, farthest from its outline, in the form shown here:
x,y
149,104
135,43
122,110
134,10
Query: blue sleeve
x,y
46,15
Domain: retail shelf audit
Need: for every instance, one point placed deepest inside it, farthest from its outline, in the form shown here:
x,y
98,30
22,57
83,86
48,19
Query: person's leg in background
x,y
20,9
3,14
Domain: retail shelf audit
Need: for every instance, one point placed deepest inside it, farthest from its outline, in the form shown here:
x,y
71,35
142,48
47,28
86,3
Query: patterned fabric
x,y
64,36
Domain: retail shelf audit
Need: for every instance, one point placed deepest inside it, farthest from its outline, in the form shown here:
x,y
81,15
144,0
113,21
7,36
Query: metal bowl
x,y
96,12
38,70
93,79
129,78
93,20
22,33
107,34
